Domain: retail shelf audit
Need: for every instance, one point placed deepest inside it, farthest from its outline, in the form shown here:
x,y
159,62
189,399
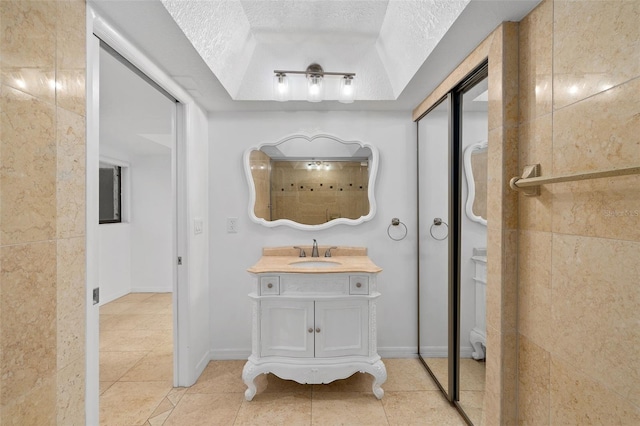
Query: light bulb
x,y
347,90
314,88
281,87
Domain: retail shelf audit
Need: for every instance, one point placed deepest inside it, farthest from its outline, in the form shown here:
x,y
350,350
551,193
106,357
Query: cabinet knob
x,y
310,330
318,330
358,285
269,285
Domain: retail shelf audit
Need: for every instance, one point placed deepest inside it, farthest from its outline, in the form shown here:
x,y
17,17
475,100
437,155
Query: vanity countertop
x,y
287,260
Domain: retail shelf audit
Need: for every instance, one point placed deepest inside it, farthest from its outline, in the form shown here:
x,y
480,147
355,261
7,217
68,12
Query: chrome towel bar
x,y
529,183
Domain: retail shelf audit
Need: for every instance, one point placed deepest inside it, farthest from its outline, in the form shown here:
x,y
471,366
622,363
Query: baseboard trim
x,y
229,354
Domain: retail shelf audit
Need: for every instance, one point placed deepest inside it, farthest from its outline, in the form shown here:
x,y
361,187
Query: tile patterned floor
x,y
136,373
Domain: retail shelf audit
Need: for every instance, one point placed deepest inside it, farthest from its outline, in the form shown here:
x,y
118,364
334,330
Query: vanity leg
x,y
379,373
249,373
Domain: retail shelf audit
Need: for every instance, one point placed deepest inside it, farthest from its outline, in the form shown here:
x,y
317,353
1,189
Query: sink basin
x,y
314,264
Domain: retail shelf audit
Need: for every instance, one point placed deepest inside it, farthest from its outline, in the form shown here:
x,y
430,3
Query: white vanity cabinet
x,y
314,328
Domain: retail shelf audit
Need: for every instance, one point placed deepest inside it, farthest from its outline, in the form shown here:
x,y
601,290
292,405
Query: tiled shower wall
x,y
579,243
42,205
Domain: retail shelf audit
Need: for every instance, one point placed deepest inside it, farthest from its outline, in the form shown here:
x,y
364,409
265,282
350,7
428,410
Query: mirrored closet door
x,y
452,187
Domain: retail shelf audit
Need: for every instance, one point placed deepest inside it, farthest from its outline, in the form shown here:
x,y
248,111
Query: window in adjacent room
x,y
110,193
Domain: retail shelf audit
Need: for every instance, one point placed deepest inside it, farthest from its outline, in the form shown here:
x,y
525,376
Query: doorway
x,y
137,241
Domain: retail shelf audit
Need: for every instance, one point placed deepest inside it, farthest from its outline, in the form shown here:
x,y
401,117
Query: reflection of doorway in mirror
x,y
313,192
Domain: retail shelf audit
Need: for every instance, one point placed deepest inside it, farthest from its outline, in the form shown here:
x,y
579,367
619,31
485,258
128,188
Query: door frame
x,y
96,30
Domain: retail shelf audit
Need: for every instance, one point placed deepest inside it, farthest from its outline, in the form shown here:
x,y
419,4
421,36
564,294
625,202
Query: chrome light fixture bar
x,y
315,87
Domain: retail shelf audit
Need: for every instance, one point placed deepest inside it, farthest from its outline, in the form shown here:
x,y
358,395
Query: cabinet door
x,y
286,328
342,328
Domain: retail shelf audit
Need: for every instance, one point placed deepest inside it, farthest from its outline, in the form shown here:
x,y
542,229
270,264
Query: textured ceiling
x,y
383,41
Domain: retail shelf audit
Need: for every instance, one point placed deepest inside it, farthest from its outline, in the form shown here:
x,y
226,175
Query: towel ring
x,y
395,222
437,222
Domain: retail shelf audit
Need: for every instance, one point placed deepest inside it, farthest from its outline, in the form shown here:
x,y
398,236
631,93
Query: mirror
x,y
475,170
311,182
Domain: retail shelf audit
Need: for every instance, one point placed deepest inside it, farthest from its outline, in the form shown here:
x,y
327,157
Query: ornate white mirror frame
x,y
471,184
314,148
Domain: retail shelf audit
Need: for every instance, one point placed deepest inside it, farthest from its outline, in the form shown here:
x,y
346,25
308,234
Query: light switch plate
x,y
197,226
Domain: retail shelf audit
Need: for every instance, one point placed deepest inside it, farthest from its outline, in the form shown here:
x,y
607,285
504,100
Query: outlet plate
x,y
232,225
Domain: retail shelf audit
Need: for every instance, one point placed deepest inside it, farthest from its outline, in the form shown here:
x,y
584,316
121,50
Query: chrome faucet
x,y
302,253
314,250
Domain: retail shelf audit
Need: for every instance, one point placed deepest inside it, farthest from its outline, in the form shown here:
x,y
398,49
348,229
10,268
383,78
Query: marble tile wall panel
x,y
28,171
595,47
595,317
576,399
533,383
71,171
28,321
536,60
71,55
28,40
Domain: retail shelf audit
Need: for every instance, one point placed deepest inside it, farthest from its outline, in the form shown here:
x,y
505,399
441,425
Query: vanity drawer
x,y
269,285
314,284
358,284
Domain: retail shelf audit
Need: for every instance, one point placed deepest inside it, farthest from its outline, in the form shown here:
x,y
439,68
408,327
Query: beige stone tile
x,y
494,278
273,383
440,368
220,377
28,40
533,383
595,299
153,367
114,308
136,322
206,409
176,394
607,208
495,116
132,298
347,408
130,403
494,377
536,59
510,72
509,281
113,365
164,407
28,317
534,287
70,300
419,408
535,147
276,409
71,55
158,420
588,59
28,171
495,178
577,399
598,133
36,407
509,394
511,168
472,375
358,382
472,403
405,375
71,171
135,340
71,391
104,386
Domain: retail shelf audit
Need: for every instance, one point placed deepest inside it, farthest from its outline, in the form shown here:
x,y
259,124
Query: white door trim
x,y
184,373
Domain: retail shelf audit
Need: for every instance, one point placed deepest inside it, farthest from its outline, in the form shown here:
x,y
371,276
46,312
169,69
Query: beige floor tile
x,y
291,408
472,374
407,374
272,383
114,364
420,408
131,403
358,382
134,340
164,407
347,408
220,377
176,394
152,368
115,307
159,419
104,386
206,409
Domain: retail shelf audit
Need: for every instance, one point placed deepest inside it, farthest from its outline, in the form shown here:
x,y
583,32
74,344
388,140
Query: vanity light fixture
x,y
315,87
